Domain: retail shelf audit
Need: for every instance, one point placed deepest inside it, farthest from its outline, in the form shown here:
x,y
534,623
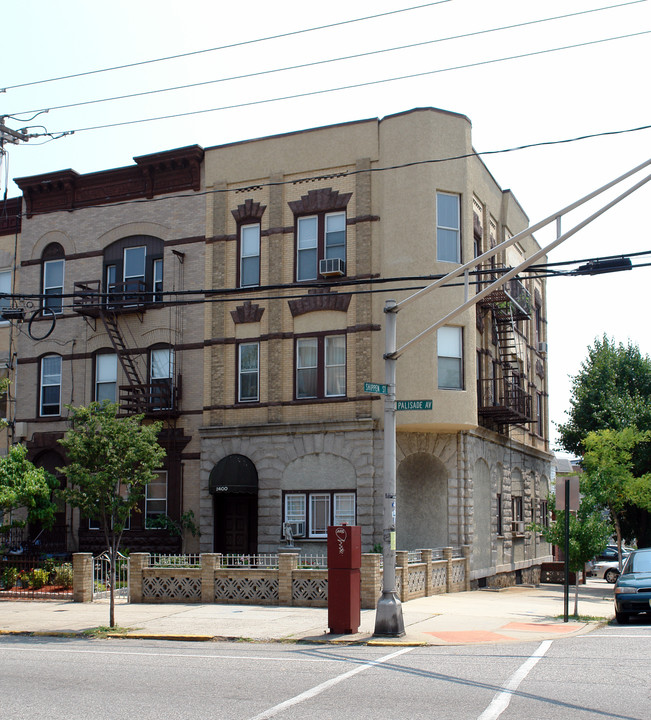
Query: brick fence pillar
x,y
447,556
287,563
209,563
82,577
137,564
371,579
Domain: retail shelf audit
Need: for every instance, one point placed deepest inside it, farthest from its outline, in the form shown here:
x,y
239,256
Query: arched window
x,y
53,276
133,269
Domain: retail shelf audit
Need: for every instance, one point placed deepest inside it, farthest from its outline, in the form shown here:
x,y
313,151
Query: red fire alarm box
x,y
344,579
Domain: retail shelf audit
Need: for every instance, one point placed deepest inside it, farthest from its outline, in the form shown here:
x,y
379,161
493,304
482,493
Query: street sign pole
x,y
388,617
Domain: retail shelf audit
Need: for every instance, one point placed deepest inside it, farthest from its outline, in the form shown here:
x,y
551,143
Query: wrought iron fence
x,y
255,561
192,560
33,577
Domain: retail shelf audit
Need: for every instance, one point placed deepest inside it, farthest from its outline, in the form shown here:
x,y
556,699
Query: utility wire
x,y
227,47
340,88
346,173
318,62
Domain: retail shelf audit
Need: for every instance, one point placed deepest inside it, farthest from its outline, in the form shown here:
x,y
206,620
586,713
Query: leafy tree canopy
x,y
25,487
611,391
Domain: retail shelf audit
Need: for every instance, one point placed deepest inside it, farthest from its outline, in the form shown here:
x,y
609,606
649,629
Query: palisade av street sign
x,y
376,388
413,404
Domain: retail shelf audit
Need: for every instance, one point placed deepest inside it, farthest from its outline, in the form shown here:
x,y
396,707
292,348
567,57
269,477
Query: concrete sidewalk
x,y
516,614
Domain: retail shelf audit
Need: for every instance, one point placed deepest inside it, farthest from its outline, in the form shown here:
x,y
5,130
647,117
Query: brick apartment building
x,y
298,239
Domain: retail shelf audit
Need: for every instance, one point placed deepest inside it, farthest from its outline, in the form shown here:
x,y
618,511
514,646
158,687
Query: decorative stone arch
x,y
49,238
422,502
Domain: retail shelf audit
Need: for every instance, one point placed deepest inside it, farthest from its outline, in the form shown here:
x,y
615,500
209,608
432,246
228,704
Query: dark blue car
x,y
633,587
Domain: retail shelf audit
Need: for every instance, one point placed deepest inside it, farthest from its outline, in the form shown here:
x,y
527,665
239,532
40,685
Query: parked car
x,y
610,553
633,586
606,569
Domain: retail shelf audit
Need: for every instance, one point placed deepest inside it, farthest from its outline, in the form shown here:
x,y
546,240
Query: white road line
x,y
501,701
168,654
318,689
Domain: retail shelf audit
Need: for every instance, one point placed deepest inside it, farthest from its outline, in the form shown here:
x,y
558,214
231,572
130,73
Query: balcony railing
x,y
156,399
503,401
130,296
511,300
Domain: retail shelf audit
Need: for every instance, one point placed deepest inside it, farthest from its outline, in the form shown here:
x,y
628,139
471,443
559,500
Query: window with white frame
x,y
53,272
319,237
106,377
249,372
315,511
157,267
449,341
321,367
50,395
156,498
5,287
448,228
161,373
249,255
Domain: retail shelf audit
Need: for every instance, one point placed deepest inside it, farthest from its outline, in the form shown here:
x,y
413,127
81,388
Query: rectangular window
x,y
308,241
335,236
158,280
307,351
53,271
161,373
448,228
134,274
5,287
540,424
318,510
249,372
106,377
51,385
500,524
321,367
249,255
156,498
335,365
449,341
544,513
517,510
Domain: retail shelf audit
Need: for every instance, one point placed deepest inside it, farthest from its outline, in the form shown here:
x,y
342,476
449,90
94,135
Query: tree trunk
x,y
618,534
113,556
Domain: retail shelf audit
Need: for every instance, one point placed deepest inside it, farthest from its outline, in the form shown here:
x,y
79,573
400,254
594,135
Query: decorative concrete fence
x,y
283,579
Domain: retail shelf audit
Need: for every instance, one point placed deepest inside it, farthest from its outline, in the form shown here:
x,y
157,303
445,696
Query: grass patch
x,y
103,631
582,618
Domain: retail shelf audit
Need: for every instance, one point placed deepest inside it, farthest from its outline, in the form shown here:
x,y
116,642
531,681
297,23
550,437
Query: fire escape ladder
x,y
124,356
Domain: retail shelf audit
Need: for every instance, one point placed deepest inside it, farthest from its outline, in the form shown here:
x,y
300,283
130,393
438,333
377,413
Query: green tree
x,y
610,478
25,489
589,534
611,391
111,460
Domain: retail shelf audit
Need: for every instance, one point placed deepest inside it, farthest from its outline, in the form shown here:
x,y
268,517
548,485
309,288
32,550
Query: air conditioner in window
x,y
542,347
296,528
518,527
331,267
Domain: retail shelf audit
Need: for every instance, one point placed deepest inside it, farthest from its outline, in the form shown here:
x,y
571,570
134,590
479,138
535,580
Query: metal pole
x,y
388,617
566,594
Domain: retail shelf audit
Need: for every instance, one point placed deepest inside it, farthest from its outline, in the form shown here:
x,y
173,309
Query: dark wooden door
x,y
236,524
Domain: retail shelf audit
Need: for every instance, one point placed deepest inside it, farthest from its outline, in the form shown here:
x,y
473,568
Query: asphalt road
x,y
604,674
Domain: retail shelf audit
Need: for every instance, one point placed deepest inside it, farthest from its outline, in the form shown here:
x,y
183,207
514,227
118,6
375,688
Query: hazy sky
x,y
542,95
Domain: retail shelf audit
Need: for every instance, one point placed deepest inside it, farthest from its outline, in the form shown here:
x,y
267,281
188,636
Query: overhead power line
x,y
229,46
315,63
340,88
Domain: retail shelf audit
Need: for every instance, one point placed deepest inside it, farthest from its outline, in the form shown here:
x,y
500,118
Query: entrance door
x,y
235,524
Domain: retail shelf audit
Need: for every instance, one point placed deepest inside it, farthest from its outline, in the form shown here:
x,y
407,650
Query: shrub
x,y
62,575
39,578
9,577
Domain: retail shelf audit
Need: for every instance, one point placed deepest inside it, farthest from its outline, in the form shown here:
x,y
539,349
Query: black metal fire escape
x,y
503,400
137,396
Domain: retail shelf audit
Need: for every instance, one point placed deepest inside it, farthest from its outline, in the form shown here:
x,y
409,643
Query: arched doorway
x,y
233,483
